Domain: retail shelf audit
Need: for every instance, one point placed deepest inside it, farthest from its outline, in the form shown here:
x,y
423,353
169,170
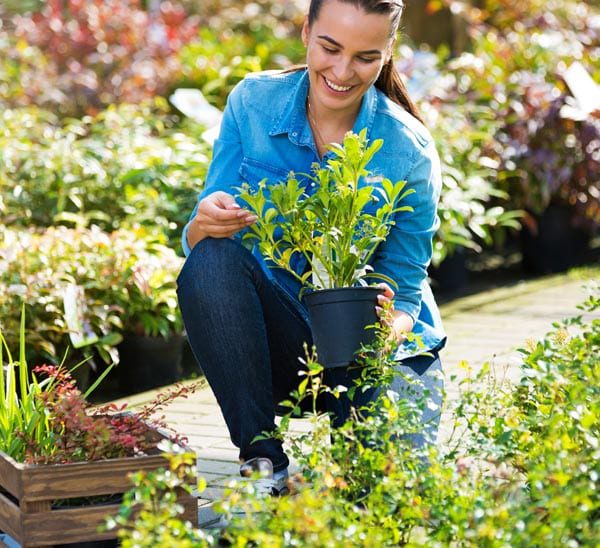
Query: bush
x,y
92,54
519,52
520,470
130,164
123,282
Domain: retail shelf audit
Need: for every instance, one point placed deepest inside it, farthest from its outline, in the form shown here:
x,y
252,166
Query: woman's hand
x,y
400,322
218,216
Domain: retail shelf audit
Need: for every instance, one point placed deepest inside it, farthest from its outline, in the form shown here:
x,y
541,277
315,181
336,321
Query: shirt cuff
x,y
184,240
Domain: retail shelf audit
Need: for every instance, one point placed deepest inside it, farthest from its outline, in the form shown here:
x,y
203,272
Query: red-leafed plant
x,y
85,434
106,51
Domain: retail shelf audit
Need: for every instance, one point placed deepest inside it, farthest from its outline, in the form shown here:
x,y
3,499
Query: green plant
x,y
129,164
520,469
333,227
149,515
123,281
22,414
473,211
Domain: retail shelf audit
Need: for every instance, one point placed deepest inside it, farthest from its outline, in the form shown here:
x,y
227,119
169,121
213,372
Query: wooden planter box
x,y
28,495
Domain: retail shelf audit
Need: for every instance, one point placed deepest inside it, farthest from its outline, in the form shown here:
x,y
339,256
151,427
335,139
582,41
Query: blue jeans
x,y
247,335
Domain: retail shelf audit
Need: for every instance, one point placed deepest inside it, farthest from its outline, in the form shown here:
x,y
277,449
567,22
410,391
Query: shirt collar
x,y
292,119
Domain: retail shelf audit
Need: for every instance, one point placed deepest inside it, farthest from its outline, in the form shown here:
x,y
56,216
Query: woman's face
x,y
346,49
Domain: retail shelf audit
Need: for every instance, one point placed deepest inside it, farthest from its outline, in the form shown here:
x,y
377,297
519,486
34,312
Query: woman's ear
x,y
305,31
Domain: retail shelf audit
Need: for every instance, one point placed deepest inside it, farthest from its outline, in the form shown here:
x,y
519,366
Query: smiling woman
x,y
245,321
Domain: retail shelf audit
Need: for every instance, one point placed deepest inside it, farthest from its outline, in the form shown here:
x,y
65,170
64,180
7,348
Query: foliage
x,y
217,60
129,164
92,54
127,279
153,502
84,434
20,407
333,226
50,421
546,145
468,217
520,469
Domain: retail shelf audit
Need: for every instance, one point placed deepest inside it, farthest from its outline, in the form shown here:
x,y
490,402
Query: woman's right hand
x,y
218,216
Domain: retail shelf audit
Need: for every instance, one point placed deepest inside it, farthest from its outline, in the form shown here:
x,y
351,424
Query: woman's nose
x,y
343,70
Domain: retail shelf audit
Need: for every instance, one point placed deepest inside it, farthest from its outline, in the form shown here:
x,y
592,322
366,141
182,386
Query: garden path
x,y
487,327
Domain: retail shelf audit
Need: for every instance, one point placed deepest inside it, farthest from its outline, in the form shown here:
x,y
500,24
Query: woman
x,y
245,322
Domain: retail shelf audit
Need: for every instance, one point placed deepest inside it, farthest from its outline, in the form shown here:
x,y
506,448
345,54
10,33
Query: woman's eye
x,y
329,50
365,59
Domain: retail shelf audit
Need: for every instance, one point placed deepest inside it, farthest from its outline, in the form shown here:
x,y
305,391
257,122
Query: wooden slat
x,y
70,525
190,505
10,518
10,475
84,479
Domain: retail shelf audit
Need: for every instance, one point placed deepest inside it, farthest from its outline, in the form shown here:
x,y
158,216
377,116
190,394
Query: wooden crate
x,y
28,494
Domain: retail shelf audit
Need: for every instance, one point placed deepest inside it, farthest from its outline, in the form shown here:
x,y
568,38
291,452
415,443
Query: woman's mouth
x,y
335,87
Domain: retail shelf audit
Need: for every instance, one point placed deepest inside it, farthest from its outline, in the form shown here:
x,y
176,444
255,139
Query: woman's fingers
x,y
388,292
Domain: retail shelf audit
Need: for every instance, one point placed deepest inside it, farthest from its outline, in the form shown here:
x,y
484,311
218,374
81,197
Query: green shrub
x,y
130,164
520,470
127,279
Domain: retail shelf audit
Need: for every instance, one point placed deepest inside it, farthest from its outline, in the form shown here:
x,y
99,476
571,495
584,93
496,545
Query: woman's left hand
x,y
386,304
400,322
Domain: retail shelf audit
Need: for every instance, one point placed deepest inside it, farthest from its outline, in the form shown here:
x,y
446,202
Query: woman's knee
x,y
213,263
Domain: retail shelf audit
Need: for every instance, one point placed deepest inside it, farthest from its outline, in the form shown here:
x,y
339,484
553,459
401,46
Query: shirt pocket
x,y
253,172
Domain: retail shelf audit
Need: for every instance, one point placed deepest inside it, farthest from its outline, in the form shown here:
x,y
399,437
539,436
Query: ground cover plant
x,y
520,469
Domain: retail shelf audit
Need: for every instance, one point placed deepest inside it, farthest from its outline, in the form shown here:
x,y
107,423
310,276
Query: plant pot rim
x,y
345,288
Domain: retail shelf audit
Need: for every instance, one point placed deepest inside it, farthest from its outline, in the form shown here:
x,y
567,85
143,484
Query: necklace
x,y
320,141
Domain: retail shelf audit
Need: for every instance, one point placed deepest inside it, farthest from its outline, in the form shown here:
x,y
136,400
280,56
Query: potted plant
x,y
143,274
64,465
335,224
120,284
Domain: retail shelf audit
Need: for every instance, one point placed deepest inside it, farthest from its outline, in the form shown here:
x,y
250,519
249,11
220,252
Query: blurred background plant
x,y
127,281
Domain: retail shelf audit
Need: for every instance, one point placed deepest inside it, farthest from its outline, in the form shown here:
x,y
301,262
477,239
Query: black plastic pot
x,y
555,245
338,321
452,274
149,362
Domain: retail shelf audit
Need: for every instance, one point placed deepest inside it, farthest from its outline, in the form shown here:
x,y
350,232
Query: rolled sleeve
x,y
406,253
223,172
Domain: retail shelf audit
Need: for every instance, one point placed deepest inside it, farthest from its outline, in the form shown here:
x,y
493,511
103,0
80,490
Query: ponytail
x,y
390,82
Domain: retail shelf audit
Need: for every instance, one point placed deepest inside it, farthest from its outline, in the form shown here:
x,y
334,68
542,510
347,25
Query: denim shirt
x,y
265,134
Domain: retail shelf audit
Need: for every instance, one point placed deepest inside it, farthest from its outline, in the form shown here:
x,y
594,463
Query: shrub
x,y
99,52
123,281
519,53
521,468
130,164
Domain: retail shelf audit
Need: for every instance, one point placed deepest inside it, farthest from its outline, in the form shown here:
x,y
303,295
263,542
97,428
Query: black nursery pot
x,y
557,245
338,319
149,362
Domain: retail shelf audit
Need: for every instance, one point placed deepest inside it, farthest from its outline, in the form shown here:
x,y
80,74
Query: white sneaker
x,y
268,483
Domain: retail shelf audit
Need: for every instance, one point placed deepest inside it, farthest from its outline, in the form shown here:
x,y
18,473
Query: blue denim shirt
x,y
265,134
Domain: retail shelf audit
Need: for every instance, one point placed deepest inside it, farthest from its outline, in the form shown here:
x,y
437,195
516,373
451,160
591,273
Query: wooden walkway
x,y
487,327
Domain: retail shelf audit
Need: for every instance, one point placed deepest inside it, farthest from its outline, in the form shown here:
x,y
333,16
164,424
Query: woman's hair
x,y
389,81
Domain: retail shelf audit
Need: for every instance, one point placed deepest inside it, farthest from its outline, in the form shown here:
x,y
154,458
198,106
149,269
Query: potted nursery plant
x,y
109,297
335,224
63,465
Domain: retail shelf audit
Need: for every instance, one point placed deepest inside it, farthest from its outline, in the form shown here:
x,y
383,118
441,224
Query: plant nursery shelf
x,y
29,495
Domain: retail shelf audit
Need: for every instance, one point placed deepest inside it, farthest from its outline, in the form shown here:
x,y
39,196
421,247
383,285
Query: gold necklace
x,y
321,141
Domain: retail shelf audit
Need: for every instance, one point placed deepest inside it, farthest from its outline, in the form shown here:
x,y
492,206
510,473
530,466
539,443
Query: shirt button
x,y
295,134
